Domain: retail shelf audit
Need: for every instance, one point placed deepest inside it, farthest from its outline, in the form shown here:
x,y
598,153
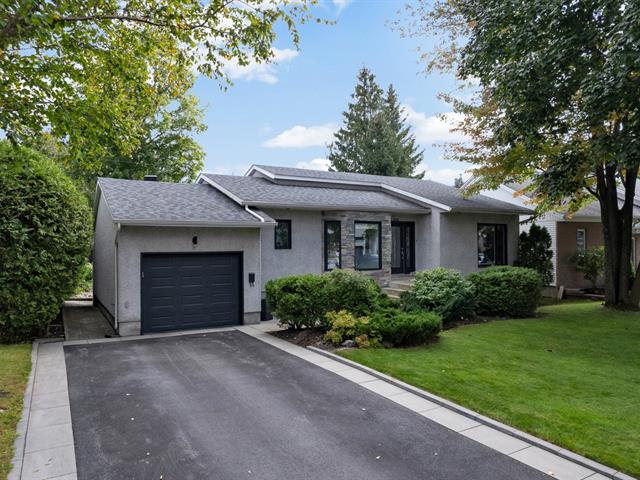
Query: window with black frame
x,y
283,234
492,244
332,245
368,240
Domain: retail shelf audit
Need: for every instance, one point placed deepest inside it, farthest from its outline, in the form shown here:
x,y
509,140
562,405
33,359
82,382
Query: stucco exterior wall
x,y
133,241
306,253
459,238
566,246
104,255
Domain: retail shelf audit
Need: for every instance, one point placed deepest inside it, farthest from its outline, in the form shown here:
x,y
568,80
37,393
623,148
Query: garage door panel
x,y
194,290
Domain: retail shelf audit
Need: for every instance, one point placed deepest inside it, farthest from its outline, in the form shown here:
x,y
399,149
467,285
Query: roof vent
x,y
150,178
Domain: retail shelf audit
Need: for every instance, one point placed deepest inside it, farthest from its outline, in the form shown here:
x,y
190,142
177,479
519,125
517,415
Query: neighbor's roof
x,y
159,203
262,192
438,193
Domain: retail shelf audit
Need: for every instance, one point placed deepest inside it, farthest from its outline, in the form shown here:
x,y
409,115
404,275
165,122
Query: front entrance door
x,y
402,247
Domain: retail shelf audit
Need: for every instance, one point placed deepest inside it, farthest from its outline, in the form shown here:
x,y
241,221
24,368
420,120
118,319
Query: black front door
x,y
402,247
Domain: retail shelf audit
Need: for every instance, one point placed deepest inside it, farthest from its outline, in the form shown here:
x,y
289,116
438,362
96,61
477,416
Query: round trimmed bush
x,y
443,291
351,291
45,236
400,328
507,291
298,300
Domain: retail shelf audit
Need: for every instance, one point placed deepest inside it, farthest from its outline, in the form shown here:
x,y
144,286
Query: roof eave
x,y
317,206
190,223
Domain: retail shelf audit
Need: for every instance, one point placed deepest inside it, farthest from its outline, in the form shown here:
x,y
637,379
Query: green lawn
x,y
15,364
571,376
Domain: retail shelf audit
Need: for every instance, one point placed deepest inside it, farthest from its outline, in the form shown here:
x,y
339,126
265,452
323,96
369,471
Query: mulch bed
x,y
306,337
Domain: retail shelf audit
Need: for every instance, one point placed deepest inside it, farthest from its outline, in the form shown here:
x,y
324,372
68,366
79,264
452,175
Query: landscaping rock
x,y
348,344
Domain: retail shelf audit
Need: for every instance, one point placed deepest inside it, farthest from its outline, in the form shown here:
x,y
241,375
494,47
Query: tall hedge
x,y
45,236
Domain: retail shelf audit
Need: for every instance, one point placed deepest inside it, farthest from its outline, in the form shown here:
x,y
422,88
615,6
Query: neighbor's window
x,y
332,244
492,244
368,237
283,234
581,239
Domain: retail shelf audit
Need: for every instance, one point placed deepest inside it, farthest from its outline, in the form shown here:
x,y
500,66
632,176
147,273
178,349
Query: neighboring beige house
x,y
568,233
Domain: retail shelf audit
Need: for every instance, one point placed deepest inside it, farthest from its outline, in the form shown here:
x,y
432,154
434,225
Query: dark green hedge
x,y
401,328
45,236
507,291
303,300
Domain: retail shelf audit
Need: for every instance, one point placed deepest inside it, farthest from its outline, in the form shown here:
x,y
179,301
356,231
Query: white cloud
x,y
235,169
436,128
300,136
442,175
262,72
315,164
341,4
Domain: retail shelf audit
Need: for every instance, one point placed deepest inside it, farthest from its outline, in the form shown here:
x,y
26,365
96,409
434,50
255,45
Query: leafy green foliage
x,y
444,292
534,251
298,301
590,262
400,328
45,236
303,300
558,102
507,291
85,278
375,138
93,72
351,291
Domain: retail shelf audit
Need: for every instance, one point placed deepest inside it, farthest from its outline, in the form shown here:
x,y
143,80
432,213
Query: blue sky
x,y
284,114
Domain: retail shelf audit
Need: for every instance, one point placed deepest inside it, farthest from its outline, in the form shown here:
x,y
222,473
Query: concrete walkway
x,y
45,446
83,321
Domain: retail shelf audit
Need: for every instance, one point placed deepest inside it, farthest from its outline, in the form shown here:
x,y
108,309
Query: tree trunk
x,y
617,229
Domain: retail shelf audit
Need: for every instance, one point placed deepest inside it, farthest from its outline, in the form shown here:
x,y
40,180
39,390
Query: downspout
x,y
246,207
115,317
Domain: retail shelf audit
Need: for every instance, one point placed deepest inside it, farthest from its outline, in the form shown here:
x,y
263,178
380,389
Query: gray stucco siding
x,y
133,241
104,255
306,252
459,238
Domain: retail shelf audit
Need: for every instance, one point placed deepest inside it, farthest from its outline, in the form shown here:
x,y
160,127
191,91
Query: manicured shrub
x,y
45,235
343,326
507,291
443,291
298,301
534,251
351,291
401,328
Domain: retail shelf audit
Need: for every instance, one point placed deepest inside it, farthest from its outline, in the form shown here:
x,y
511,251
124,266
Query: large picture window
x,y
283,234
332,245
492,244
368,239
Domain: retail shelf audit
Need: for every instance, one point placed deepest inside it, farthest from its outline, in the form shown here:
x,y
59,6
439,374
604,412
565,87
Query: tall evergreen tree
x,y
375,138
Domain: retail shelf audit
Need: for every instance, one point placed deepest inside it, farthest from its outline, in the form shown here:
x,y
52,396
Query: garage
x,y
190,290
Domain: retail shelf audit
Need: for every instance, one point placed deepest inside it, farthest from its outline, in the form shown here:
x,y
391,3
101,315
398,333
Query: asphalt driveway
x,y
227,406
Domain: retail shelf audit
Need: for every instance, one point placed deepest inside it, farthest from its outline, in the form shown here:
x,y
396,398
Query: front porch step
x,y
400,284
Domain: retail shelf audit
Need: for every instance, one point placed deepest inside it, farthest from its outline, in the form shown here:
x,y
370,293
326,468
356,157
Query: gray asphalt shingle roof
x,y
259,191
132,201
434,191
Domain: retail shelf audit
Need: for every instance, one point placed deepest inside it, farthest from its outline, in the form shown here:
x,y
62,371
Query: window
x,y
283,234
332,245
492,244
581,239
368,237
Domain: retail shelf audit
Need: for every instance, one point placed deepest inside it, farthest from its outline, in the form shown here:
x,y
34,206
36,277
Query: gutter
x,y
246,207
116,309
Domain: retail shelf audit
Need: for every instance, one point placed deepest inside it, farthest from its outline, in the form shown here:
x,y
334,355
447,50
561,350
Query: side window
x,y
581,239
283,235
492,244
332,244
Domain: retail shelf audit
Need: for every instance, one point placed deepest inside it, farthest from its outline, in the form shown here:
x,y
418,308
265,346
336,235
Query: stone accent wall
x,y
347,223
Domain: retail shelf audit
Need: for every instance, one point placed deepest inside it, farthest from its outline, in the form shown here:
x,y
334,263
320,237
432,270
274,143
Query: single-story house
x,y
175,256
569,233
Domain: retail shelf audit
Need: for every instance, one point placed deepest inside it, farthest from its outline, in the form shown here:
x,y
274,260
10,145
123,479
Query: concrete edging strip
x,y
19,445
598,468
